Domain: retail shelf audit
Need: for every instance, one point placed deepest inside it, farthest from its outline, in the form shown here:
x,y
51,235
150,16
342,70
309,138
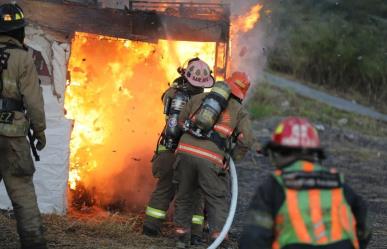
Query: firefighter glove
x,y
41,137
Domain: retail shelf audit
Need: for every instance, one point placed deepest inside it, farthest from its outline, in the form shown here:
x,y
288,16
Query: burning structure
x,y
107,69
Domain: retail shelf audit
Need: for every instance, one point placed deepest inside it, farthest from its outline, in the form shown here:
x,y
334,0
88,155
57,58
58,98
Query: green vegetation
x,y
338,44
270,101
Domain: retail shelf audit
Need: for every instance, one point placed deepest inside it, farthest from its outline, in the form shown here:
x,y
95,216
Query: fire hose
x,y
231,212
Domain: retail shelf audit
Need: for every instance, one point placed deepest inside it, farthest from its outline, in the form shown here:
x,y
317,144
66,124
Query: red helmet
x,y
297,133
239,83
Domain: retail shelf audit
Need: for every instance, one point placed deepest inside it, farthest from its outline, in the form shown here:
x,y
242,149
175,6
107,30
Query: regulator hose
x,y
231,212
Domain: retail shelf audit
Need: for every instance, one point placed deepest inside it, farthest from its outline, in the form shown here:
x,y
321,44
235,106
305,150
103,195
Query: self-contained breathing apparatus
x,y
204,119
187,85
8,106
173,107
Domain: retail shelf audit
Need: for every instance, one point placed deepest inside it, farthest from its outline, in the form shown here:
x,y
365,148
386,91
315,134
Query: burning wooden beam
x,y
62,20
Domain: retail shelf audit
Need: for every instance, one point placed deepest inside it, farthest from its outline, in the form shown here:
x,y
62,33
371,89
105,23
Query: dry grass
x,y
95,229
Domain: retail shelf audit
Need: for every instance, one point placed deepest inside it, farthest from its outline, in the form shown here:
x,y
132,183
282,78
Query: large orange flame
x,y
247,22
241,45
114,97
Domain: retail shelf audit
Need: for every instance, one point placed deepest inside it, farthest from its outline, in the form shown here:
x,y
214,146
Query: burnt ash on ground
x,y
363,160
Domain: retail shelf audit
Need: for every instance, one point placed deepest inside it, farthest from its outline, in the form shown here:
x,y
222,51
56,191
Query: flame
x,y
247,22
243,41
114,97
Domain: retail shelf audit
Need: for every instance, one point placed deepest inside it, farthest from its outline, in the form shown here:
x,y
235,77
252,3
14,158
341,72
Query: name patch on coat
x,y
311,180
7,117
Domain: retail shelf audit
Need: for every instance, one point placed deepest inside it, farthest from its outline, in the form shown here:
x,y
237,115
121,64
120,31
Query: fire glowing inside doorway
x,y
114,97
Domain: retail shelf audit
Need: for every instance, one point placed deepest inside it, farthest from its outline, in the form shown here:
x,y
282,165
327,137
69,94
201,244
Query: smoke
x,y
249,49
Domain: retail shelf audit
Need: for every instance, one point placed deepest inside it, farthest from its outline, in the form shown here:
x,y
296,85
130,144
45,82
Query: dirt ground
x,y
363,159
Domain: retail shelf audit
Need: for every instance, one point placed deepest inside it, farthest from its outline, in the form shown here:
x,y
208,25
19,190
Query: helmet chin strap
x,y
185,85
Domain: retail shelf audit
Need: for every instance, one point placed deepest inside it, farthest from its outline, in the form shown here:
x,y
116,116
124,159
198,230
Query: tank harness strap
x,y
4,56
212,135
9,105
220,142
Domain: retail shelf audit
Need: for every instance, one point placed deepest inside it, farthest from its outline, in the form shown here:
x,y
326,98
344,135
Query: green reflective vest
x,y
314,216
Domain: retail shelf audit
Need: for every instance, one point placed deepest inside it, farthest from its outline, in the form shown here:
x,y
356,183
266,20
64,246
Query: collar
x,y
11,40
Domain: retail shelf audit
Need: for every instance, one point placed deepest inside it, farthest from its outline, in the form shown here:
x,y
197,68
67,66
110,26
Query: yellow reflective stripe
x,y
198,219
155,213
18,16
161,148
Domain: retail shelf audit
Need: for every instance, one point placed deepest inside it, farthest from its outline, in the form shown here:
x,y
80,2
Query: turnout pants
x,y
195,173
164,193
16,170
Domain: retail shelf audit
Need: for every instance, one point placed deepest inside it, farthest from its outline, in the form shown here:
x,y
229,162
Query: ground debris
x,y
362,159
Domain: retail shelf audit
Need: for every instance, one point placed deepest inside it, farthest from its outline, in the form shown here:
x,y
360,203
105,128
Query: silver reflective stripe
x,y
155,213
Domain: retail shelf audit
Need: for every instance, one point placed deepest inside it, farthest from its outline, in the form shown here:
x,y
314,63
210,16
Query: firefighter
x,y
192,81
212,122
302,204
20,97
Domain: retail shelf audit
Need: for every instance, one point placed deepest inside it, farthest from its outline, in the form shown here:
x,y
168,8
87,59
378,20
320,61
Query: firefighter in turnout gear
x,y
303,205
20,97
216,126
193,80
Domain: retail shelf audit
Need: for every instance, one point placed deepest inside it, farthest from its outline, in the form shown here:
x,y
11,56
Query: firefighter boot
x,y
197,240
35,246
151,229
197,235
151,232
183,239
33,240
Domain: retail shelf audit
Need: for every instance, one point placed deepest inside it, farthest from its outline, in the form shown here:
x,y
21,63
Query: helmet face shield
x,y
11,18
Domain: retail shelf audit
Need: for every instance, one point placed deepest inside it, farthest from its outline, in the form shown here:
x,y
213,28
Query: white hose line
x,y
231,213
